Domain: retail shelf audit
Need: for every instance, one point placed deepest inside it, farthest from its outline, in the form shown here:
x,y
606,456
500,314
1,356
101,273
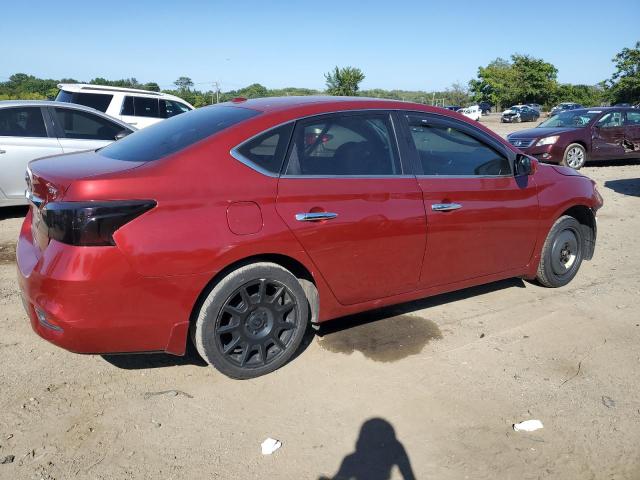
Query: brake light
x,y
90,223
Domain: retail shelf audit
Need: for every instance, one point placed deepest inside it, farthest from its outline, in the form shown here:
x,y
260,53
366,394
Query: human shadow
x,y
626,186
377,452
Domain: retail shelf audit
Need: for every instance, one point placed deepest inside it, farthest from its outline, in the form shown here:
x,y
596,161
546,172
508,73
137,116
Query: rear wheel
x,y
575,156
253,321
562,253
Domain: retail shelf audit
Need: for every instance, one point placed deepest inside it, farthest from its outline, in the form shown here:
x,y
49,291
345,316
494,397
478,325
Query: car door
x,y
140,112
23,137
353,206
481,220
632,133
607,136
80,130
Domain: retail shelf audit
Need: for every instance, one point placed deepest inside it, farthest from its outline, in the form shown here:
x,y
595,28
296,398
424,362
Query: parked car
x,y
485,107
536,106
517,114
240,223
33,129
574,137
139,108
453,108
473,112
561,107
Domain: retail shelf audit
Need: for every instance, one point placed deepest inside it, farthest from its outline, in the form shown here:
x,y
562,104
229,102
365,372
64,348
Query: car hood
x,y
541,132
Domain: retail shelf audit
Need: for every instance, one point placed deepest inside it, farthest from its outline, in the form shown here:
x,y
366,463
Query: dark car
x,y
485,108
574,137
295,210
453,108
519,114
561,107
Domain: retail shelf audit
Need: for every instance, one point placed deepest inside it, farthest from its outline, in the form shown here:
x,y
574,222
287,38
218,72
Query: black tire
x,y
562,253
575,156
252,321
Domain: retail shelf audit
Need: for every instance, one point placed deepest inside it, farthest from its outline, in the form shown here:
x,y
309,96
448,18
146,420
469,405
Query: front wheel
x,y
252,321
575,156
562,253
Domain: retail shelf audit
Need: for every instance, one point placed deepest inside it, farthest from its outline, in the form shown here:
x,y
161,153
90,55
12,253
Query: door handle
x,y
315,216
445,207
3,151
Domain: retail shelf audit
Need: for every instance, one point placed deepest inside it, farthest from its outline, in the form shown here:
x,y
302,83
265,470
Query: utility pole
x,y
216,86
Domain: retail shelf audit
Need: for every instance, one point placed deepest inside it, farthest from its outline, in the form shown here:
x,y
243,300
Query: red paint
x,y
386,245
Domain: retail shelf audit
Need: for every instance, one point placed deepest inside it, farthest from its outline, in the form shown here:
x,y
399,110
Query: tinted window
x,y
146,107
444,150
86,126
176,133
610,120
344,145
99,101
633,118
169,108
127,107
267,151
22,122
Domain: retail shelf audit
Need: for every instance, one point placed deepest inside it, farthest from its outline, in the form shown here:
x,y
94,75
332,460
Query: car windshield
x,y
572,118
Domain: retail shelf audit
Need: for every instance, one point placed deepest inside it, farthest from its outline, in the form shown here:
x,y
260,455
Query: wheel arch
x,y
587,218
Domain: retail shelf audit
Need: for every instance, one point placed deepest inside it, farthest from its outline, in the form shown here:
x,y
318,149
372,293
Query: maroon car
x,y
574,137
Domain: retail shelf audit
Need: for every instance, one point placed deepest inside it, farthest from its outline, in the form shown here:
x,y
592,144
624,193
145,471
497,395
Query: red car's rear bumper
x,y
90,300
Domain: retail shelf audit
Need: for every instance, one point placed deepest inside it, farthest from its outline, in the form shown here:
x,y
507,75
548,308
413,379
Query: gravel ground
x,y
432,386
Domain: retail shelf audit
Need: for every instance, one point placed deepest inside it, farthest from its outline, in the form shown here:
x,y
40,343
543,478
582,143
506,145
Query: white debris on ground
x,y
270,445
528,426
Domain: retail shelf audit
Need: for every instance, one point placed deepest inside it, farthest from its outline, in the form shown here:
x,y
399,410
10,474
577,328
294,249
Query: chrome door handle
x,y
315,216
3,151
445,207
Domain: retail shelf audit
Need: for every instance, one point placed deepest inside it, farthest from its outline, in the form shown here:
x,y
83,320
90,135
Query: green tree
x,y
457,94
624,84
152,86
183,83
494,83
344,81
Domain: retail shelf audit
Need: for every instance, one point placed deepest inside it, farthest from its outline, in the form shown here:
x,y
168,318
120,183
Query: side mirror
x,y
122,134
524,165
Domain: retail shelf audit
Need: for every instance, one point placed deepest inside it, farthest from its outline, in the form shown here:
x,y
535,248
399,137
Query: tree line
x,y
520,79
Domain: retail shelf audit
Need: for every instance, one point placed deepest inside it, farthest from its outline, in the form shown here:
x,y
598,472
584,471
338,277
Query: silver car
x,y
32,129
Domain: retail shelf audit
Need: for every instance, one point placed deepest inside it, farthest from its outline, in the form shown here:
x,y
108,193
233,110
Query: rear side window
x,y
444,150
146,107
99,101
170,108
22,122
177,133
344,145
85,125
266,152
633,118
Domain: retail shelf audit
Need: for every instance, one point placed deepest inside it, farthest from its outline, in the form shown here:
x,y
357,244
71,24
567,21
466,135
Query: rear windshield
x,y
99,101
176,133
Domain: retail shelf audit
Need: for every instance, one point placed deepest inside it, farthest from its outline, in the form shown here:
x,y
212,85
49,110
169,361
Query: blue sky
x,y
403,44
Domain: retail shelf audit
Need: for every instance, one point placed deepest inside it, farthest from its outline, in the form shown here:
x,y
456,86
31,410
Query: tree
x,y
151,86
183,83
494,83
457,94
344,81
624,84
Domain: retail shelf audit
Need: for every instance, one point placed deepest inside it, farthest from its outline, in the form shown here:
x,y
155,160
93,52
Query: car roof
x,y
53,103
90,88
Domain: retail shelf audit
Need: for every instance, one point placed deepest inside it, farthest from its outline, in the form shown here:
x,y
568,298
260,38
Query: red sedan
x,y
239,224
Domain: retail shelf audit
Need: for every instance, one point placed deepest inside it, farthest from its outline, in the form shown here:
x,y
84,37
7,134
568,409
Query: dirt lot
x,y
433,386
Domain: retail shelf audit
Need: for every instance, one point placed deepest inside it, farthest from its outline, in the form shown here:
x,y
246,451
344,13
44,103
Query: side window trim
x,y
476,134
404,171
235,151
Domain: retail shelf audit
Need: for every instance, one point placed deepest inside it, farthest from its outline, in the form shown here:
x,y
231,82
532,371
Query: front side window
x,y
22,122
610,120
170,108
99,101
444,150
86,126
344,145
267,151
175,134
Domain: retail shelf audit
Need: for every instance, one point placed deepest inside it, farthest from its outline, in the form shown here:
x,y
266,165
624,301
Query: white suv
x,y
139,108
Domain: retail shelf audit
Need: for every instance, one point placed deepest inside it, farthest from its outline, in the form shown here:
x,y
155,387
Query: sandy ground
x,y
431,387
